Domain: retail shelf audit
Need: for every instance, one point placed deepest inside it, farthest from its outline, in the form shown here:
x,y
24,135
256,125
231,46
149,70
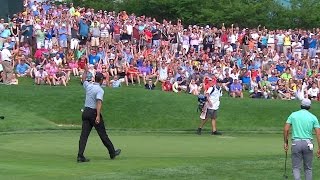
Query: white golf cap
x,y
306,102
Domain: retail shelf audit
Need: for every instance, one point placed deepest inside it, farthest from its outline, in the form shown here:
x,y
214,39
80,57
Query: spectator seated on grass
x,y
167,85
60,77
41,76
133,74
256,93
236,89
150,85
194,89
226,82
74,66
116,82
180,84
106,75
22,69
313,92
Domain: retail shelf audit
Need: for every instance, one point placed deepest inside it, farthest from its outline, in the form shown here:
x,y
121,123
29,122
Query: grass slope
x,y
34,107
145,156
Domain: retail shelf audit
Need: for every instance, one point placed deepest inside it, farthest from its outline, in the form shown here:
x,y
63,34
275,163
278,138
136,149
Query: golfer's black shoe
x,y
82,159
116,153
199,131
216,133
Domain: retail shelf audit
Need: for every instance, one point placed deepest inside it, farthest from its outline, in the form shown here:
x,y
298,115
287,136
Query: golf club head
x,y
285,176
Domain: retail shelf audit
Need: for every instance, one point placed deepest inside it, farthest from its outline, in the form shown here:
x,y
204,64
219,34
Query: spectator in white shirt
x,y
7,64
313,92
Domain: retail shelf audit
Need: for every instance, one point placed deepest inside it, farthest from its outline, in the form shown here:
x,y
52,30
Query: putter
x,y
285,176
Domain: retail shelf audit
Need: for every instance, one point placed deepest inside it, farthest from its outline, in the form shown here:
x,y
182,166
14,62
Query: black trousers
x,y
88,121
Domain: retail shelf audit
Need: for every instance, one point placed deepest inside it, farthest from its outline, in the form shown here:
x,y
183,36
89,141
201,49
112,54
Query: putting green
x,y
52,155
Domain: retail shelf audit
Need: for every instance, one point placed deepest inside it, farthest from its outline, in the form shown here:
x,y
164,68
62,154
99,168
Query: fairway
x,y
52,155
155,130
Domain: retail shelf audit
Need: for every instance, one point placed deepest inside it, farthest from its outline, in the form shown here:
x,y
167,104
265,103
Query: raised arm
x,y
84,75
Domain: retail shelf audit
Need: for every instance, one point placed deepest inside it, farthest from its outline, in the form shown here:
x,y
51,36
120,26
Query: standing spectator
x,y
95,34
74,42
280,41
287,43
156,35
40,37
63,36
312,46
15,33
27,32
297,49
7,63
83,31
105,36
305,43
5,34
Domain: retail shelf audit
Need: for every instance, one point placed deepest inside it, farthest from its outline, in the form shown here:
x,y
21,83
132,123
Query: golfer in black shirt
x,y
91,117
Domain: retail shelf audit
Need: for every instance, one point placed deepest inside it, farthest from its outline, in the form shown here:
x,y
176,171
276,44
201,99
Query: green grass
x,y
51,155
155,130
29,107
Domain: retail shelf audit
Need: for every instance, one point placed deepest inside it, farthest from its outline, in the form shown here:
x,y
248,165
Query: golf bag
x,y
202,99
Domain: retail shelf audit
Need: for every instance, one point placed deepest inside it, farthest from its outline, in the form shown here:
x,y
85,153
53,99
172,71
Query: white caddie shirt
x,y
214,97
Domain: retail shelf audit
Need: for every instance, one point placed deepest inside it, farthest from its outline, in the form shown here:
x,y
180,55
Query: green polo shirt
x,y
303,123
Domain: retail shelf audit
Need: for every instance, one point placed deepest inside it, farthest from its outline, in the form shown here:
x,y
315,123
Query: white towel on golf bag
x,y
204,111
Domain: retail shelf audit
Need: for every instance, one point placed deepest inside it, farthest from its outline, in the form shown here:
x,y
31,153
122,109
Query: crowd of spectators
x,y
50,43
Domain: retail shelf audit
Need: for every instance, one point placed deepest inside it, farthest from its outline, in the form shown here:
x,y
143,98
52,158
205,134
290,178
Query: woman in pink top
x,y
52,70
73,65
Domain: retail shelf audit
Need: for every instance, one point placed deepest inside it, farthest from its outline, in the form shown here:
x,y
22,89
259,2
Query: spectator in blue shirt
x,y
83,31
236,89
312,46
101,53
63,36
273,79
27,32
93,57
281,67
22,68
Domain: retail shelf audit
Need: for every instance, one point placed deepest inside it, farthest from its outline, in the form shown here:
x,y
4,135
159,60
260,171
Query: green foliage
x,y
244,13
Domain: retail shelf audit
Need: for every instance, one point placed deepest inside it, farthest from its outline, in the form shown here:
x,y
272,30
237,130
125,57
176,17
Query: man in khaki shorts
x,y
95,35
6,62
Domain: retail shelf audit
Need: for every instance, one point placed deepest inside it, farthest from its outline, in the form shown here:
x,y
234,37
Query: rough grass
x,y
34,107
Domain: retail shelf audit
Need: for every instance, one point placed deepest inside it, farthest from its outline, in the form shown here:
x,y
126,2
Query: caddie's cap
x,y
306,102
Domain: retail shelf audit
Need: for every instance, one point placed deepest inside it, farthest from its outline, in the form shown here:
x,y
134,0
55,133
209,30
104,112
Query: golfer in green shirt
x,y
302,122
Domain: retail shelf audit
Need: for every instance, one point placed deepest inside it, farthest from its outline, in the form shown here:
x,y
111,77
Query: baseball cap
x,y
306,102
